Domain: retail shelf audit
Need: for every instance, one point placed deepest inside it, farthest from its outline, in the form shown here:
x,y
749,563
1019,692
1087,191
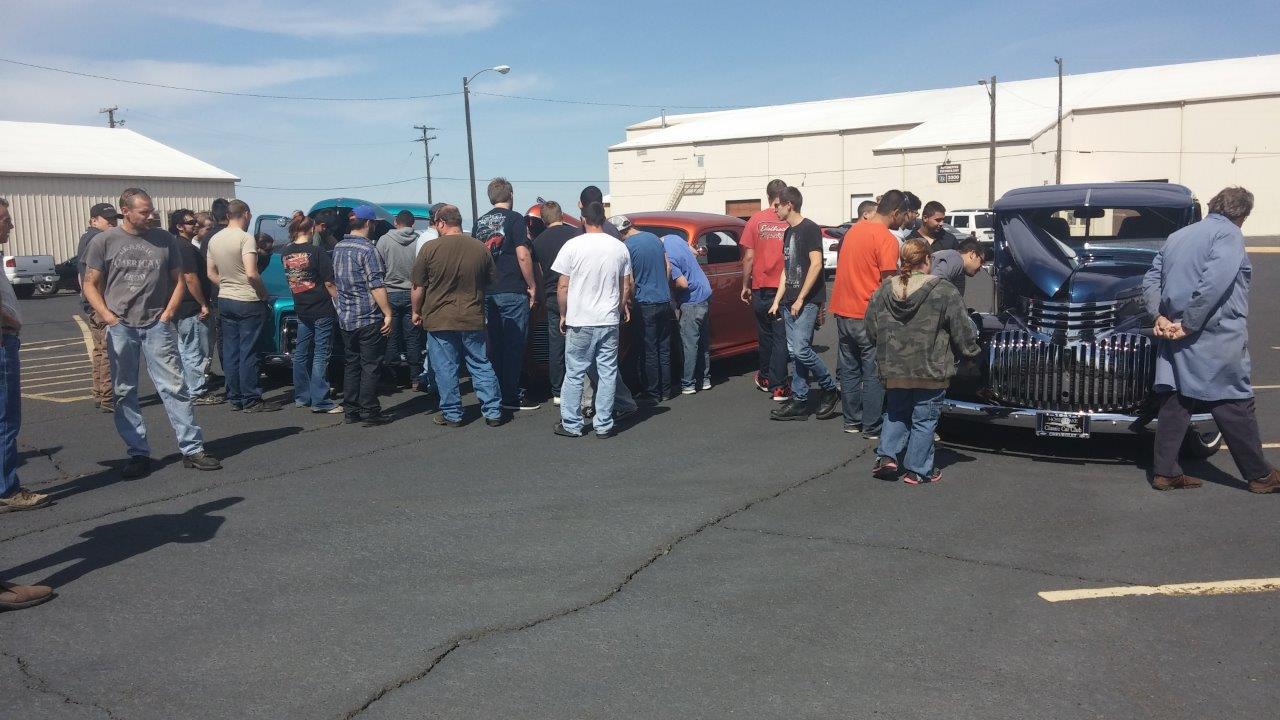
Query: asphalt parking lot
x,y
706,562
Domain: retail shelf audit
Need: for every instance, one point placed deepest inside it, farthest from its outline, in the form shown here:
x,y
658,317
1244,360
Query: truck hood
x,y
1091,274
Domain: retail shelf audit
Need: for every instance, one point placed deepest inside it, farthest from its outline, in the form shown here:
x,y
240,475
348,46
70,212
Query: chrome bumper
x,y
1099,423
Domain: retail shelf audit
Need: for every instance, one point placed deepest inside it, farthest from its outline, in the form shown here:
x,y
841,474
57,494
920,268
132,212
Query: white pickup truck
x,y
30,274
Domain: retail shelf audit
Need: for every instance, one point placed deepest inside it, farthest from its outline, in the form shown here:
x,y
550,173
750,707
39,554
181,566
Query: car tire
x,y
24,292
46,289
1201,445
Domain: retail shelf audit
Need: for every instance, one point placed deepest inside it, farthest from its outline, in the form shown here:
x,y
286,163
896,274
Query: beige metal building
x,y
1204,125
52,174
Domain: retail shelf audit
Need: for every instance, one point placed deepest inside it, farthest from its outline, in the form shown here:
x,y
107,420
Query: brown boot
x,y
1182,482
1268,484
17,597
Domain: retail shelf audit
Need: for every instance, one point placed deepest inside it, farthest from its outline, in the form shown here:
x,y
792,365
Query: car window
x,y
659,230
982,220
961,221
277,227
721,245
421,224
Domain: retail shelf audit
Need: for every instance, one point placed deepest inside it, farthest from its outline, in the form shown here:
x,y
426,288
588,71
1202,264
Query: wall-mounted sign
x,y
949,173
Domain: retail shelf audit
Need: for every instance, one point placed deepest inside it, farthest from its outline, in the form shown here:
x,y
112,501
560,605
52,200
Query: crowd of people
x,y
444,298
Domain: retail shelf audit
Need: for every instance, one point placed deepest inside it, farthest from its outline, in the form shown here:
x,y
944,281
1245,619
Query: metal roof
x,y
953,117
1120,194
48,149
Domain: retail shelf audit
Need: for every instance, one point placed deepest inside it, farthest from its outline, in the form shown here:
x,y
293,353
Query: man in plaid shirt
x,y
364,315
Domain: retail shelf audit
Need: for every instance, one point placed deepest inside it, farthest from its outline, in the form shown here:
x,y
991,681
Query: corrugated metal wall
x,y
51,213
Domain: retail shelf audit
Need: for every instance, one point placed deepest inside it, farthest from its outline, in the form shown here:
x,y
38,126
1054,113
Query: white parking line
x,y
76,370
1220,587
56,382
36,344
42,348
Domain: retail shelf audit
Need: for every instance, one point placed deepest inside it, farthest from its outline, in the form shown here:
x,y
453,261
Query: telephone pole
x,y
426,151
990,85
1057,157
110,112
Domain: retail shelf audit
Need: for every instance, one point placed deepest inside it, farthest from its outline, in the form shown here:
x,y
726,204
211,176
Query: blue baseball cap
x,y
364,212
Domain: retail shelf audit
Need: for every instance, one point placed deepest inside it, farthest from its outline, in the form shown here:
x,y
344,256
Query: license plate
x,y
1063,425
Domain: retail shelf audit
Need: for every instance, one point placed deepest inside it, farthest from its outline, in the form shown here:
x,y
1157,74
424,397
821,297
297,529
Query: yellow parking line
x,y
55,371
50,398
1221,587
42,348
34,343
1262,248
41,366
32,361
59,382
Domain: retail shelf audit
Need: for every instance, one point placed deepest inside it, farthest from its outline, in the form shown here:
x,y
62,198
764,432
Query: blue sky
x,y
655,53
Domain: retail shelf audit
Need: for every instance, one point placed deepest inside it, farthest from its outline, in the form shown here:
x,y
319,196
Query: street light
x,y
471,153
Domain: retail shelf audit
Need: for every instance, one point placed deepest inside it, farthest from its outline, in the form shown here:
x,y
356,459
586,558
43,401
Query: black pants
x,y
364,348
772,334
651,348
1235,419
555,345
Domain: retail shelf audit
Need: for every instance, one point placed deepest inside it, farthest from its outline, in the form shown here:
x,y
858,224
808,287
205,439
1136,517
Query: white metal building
x,y
52,174
1205,125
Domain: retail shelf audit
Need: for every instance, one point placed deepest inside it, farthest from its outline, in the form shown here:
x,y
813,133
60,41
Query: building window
x,y
741,208
642,152
699,159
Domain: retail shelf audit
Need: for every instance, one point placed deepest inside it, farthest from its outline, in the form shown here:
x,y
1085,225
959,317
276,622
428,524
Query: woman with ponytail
x,y
918,325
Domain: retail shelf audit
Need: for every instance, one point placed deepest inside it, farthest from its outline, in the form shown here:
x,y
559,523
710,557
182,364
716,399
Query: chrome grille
x,y
1070,319
1111,374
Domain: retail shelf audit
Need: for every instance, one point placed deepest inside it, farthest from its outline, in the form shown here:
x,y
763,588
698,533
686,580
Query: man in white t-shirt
x,y
594,296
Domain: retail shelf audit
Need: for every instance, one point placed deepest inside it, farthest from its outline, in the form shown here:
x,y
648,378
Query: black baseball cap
x,y
104,210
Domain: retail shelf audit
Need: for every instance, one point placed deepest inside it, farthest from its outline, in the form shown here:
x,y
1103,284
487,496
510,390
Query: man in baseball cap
x,y
101,217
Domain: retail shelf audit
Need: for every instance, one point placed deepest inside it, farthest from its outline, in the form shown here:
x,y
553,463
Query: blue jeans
x,y
447,349
909,423
10,412
582,347
403,332
507,320
861,390
772,335
651,349
311,363
808,365
241,325
426,377
695,341
158,344
193,347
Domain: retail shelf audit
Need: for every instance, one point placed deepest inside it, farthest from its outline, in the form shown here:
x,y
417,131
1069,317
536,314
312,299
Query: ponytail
x,y
914,256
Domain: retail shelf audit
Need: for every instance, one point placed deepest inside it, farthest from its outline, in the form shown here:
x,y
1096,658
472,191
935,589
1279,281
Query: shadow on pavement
x,y
116,542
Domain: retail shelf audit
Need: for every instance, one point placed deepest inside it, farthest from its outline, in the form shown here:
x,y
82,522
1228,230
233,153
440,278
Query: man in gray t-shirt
x,y
133,282
958,265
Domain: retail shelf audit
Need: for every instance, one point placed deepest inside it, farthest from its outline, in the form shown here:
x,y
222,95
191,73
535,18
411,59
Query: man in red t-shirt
x,y
868,255
761,272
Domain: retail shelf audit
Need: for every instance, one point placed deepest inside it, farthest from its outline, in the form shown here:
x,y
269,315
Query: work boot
x,y
1181,482
793,409
828,404
201,461
1268,484
17,597
23,500
138,466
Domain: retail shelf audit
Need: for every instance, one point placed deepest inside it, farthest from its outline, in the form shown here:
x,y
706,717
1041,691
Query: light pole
x,y
1057,155
471,153
991,170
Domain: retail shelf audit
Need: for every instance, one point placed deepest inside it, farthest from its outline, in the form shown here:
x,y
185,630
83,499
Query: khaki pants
x,y
101,367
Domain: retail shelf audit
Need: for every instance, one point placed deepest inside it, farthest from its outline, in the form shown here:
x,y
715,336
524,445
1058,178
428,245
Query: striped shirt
x,y
357,271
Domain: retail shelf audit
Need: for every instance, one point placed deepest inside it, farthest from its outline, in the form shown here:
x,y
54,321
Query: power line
x,y
255,138
261,96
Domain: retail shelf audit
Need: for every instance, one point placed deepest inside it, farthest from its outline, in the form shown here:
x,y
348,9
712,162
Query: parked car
x,y
832,236
1069,350
970,223
421,213
30,274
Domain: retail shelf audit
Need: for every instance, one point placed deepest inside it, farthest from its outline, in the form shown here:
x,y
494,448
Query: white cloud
x,y
341,17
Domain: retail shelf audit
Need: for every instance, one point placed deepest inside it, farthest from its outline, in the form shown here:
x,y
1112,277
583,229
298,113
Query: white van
x,y
976,224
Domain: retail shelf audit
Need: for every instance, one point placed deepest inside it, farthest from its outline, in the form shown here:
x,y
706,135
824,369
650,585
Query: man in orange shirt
x,y
761,271
868,255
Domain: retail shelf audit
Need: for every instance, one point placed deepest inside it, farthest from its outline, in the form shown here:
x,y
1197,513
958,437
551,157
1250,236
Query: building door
x,y
741,208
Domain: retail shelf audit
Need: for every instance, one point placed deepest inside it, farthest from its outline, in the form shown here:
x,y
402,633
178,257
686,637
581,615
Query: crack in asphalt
x,y
934,554
442,651
47,453
38,684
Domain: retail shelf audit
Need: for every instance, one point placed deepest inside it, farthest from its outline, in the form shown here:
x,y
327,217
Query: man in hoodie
x,y
101,217
398,251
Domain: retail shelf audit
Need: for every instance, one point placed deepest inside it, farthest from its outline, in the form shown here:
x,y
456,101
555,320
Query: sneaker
x,y
1181,482
376,420
885,468
555,400
604,435
828,404
105,407
870,434
795,409
351,418
335,410
1268,484
209,399
762,383
564,432
687,391
497,422
852,428
706,383
911,478
522,405
201,461
261,407
442,421
17,597
23,500
781,394
138,466
620,413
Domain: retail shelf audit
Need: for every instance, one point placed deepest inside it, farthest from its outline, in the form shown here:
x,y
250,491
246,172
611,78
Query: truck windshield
x,y
1094,228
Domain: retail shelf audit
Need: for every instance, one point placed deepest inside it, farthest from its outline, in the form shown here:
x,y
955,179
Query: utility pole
x,y
1057,157
426,151
110,112
991,170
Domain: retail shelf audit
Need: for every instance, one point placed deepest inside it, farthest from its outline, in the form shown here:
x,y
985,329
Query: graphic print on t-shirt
x,y
490,231
298,270
794,275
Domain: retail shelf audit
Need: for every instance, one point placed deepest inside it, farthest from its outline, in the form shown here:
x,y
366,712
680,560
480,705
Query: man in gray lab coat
x,y
1198,291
